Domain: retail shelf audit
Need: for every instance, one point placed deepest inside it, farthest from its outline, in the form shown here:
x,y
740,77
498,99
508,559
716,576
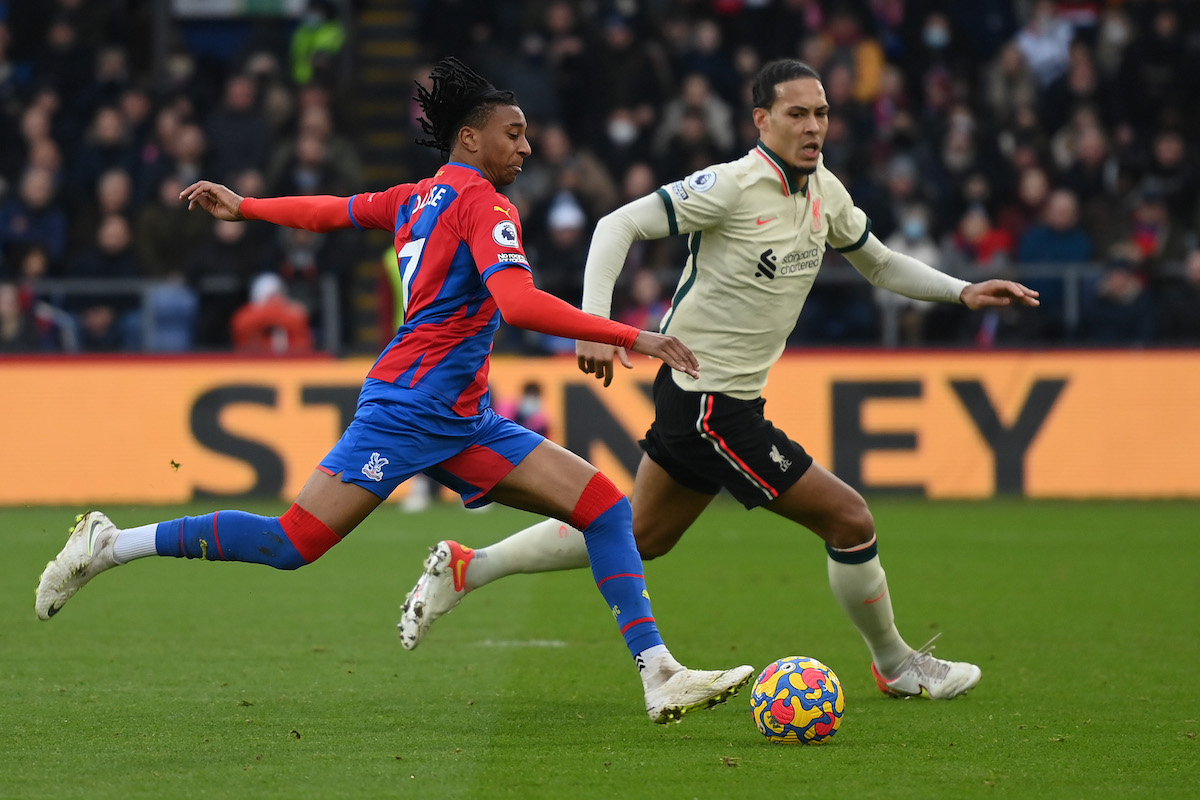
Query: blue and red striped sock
x,y
604,515
287,542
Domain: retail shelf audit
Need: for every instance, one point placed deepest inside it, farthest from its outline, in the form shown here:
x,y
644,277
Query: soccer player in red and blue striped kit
x,y
424,406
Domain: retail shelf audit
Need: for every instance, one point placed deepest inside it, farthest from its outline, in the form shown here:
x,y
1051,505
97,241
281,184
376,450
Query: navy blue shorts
x,y
708,441
389,442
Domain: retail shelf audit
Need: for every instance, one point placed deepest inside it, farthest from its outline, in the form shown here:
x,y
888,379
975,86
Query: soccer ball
x,y
797,700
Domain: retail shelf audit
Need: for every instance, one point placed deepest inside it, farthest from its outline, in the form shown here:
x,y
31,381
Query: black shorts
x,y
708,441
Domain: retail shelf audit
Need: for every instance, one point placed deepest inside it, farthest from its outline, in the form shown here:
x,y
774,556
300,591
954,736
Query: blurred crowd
x,y
1055,141
97,253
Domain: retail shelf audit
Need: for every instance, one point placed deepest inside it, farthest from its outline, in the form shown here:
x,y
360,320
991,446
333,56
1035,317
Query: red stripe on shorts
x,y
728,451
479,466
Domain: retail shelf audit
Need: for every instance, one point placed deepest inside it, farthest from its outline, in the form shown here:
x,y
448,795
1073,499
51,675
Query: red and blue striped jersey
x,y
452,232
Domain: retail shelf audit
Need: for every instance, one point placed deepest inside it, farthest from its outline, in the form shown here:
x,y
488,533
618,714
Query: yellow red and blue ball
x,y
797,700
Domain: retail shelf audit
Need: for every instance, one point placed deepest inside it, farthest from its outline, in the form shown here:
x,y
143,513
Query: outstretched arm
x,y
317,213
526,306
905,275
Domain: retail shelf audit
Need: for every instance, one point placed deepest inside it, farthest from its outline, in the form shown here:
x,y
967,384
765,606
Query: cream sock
x,y
547,546
862,591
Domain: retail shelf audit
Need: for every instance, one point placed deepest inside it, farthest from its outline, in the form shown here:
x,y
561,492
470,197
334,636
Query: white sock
x,y
548,546
135,543
656,664
863,593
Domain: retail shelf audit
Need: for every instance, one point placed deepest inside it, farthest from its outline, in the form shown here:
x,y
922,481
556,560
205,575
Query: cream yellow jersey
x,y
755,248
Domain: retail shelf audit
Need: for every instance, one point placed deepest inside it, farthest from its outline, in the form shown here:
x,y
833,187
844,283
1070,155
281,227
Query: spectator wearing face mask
x,y
526,410
1045,41
912,237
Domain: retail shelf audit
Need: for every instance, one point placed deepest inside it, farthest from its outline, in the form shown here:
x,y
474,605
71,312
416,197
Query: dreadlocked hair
x,y
459,98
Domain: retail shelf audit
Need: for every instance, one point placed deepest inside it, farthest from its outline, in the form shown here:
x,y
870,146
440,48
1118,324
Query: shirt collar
x,y
464,166
789,181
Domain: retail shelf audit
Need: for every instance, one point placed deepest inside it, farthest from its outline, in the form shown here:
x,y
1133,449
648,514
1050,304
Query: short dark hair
x,y
459,97
775,72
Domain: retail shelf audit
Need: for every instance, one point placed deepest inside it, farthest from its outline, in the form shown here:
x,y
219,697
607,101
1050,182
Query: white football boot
x,y
935,678
88,552
692,689
438,590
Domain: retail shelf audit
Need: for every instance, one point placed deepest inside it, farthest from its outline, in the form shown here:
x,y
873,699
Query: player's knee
x,y
649,550
308,538
854,525
652,541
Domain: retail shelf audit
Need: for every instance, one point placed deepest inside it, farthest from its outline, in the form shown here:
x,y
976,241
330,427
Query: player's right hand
x,y
220,201
597,358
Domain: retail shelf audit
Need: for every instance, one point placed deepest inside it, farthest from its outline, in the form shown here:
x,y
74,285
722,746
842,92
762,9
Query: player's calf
x,y
287,542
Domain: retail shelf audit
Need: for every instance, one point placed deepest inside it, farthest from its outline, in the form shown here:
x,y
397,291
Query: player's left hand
x,y
997,293
674,353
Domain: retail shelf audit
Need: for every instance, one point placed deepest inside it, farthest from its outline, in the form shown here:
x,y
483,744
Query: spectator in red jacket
x,y
271,322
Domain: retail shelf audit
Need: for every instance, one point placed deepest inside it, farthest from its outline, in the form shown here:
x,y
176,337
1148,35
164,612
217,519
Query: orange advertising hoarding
x,y
944,425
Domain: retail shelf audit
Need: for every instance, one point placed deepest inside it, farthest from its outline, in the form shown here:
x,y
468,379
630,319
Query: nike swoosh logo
x,y
460,575
876,599
92,533
761,221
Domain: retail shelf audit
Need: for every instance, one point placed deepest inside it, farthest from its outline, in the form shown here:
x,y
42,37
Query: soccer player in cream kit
x,y
759,233
758,228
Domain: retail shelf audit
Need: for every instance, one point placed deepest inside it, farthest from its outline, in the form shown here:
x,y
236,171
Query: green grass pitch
x,y
173,679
